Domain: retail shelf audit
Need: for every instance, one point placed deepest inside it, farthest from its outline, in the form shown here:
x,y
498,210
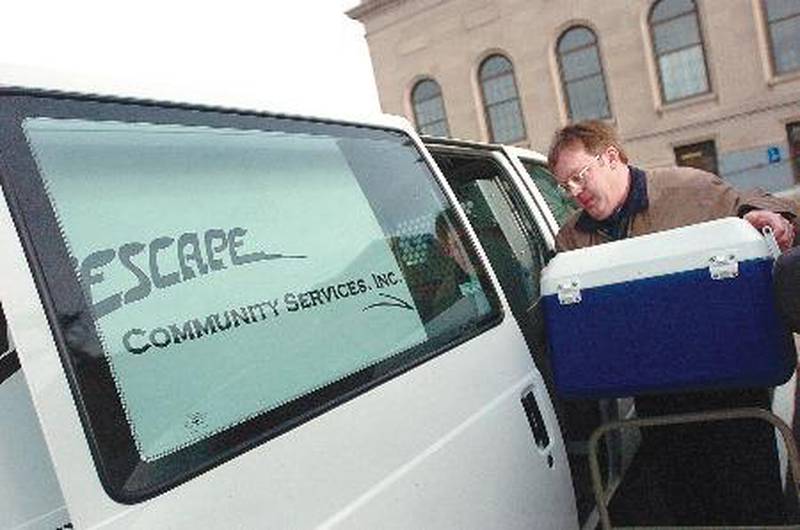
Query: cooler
x,y
684,309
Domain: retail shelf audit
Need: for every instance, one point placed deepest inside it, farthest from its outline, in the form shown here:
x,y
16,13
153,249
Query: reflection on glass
x,y
560,204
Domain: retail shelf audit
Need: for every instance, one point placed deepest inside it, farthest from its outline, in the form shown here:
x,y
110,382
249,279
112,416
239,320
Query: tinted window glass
x,y
560,204
504,226
239,276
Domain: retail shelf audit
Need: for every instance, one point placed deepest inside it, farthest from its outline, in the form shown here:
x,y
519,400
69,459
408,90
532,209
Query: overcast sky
x,y
298,56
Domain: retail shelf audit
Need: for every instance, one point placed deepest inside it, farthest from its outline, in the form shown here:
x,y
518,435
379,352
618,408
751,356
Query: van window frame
x,y
125,477
9,361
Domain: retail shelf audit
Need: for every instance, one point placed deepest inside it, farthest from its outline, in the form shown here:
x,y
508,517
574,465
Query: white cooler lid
x,y
680,249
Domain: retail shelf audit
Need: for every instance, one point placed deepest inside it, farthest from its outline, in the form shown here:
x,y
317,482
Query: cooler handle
x,y
772,243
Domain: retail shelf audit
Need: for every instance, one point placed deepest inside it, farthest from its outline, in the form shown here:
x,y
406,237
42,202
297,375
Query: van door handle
x,y
535,420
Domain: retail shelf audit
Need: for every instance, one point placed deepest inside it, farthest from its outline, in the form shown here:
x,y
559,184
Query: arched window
x,y
500,99
582,74
678,45
783,23
426,98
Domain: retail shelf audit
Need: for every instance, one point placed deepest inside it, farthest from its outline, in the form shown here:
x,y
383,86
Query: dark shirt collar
x,y
617,225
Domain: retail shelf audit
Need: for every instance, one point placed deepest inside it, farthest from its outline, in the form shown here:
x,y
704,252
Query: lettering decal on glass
x,y
229,272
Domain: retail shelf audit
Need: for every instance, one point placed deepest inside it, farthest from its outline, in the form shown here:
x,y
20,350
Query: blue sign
x,y
773,154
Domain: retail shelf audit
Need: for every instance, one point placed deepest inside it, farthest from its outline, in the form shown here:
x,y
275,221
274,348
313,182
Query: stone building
x,y
711,83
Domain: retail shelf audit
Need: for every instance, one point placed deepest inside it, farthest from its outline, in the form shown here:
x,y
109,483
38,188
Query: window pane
x,y
208,253
430,111
702,155
560,204
499,89
781,8
670,8
429,108
437,128
580,63
683,73
575,38
506,122
495,65
587,99
786,44
676,34
425,90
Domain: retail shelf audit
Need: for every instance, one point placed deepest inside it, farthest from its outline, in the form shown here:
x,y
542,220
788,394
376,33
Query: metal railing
x,y
603,497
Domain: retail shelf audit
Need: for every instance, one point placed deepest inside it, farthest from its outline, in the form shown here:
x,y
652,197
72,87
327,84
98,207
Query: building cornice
x,y
368,8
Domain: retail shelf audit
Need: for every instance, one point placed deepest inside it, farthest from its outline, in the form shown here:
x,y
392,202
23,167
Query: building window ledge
x,y
708,97
783,78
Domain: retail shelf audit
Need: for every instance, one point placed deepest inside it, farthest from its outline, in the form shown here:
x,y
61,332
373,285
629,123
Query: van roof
x,y
18,79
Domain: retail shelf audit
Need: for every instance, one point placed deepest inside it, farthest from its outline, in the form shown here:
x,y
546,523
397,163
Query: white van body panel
x,y
414,452
30,496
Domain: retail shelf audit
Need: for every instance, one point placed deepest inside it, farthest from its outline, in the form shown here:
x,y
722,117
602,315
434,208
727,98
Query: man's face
x,y
589,180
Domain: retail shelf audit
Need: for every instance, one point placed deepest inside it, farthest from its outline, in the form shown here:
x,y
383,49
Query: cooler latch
x,y
723,267
569,292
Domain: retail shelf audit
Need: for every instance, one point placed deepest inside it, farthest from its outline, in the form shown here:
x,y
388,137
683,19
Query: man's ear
x,y
613,156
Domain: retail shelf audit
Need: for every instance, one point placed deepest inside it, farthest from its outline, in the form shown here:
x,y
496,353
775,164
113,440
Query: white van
x,y
229,319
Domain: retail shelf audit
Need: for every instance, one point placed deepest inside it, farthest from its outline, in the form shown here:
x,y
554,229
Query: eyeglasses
x,y
578,179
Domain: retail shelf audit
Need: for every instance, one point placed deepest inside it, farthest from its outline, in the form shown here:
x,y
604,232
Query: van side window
x,y
238,275
9,363
504,227
509,235
560,204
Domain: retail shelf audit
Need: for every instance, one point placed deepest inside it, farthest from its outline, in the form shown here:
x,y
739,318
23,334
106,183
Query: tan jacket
x,y
678,197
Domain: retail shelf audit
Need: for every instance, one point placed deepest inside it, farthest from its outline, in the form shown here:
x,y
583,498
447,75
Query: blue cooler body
x,y
684,309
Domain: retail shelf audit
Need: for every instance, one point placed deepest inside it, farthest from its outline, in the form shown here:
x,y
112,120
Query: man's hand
x,y
781,227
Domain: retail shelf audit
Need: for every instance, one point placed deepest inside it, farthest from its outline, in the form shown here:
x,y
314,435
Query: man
x,y
621,201
712,473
